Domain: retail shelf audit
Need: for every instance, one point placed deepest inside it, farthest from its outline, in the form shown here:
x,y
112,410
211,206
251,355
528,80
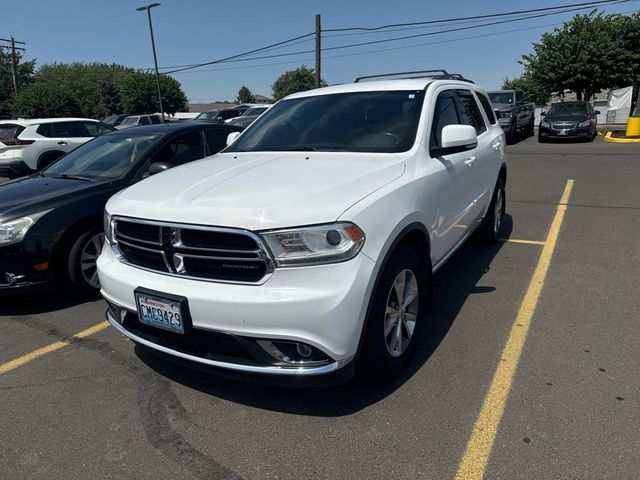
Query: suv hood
x,y
259,191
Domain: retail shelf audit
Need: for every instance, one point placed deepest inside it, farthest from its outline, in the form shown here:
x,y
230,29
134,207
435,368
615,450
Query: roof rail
x,y
434,74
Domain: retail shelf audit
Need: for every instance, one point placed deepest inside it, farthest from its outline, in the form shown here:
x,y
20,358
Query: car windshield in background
x,y
568,109
107,157
350,122
501,97
129,121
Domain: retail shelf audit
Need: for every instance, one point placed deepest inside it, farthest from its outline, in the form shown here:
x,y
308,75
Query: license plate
x,y
563,132
160,312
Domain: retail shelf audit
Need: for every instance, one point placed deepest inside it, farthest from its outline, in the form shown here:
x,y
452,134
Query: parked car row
x,y
51,227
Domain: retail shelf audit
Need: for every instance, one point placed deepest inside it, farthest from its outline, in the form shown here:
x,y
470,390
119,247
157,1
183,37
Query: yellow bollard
x,y
633,127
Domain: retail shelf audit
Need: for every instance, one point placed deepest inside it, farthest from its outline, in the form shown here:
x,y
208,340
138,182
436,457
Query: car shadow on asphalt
x,y
453,284
45,301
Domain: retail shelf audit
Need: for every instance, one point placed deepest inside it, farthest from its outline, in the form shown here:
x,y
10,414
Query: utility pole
x,y
14,59
153,47
13,65
318,48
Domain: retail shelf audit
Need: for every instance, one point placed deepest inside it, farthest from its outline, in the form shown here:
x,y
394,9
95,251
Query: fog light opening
x,y
293,354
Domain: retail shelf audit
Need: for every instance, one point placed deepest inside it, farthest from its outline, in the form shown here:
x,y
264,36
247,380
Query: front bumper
x,y
321,306
506,123
560,133
17,269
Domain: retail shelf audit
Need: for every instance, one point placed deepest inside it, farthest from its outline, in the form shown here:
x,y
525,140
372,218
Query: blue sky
x,y
194,31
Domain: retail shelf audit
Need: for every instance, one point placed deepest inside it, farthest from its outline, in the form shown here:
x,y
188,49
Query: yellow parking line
x,y
475,458
525,242
18,362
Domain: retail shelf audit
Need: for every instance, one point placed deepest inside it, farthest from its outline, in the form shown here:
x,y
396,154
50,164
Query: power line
x,y
242,54
534,10
549,11
406,37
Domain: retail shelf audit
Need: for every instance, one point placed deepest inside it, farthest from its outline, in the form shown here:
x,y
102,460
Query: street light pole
x,y
153,47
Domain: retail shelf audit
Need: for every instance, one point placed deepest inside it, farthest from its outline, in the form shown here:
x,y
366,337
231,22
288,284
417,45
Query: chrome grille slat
x,y
249,263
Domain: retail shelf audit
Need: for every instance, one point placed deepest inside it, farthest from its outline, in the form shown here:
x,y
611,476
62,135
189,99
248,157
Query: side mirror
x,y
158,167
596,112
232,137
456,138
543,114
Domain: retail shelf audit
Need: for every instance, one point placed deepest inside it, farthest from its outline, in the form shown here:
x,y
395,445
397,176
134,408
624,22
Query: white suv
x,y
36,143
307,247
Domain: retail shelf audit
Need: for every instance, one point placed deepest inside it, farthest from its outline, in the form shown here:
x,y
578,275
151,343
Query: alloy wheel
x,y
88,259
401,312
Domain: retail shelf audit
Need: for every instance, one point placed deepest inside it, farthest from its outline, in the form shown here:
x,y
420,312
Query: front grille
x,y
564,125
207,253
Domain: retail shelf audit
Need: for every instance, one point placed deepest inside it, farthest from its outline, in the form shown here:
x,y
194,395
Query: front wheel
x,y
82,267
490,228
397,314
530,131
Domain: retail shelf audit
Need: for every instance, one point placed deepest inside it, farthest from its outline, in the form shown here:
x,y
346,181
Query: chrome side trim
x,y
265,370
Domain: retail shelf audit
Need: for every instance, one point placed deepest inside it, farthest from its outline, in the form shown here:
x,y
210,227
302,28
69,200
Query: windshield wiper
x,y
73,177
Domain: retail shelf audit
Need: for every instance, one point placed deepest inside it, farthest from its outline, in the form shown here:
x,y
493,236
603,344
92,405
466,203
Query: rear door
x,y
481,177
62,136
455,208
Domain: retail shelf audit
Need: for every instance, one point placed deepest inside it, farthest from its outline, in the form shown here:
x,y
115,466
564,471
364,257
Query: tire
x,y
512,135
81,267
490,228
542,139
381,356
530,130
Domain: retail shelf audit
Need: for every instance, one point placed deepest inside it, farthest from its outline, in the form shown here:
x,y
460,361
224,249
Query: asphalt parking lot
x,y
561,401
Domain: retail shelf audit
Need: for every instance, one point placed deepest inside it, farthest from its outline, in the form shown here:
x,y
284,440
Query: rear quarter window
x,y
10,131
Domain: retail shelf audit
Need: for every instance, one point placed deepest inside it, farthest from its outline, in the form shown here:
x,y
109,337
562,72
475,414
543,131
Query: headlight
x,y
544,123
321,244
586,123
504,114
15,230
108,228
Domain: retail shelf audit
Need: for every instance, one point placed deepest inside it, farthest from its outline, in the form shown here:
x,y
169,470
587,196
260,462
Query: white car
x,y
307,247
37,143
137,120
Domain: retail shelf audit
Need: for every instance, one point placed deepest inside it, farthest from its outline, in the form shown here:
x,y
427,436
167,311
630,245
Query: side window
x,y
444,114
469,111
154,119
488,109
95,129
63,130
217,139
144,121
182,149
519,97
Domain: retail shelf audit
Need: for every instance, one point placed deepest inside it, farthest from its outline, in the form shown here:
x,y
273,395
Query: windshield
x,y
129,121
351,122
254,111
502,97
207,115
107,157
568,109
110,119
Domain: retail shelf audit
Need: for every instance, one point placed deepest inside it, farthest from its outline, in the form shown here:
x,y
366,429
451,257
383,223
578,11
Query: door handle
x,y
496,145
62,143
469,161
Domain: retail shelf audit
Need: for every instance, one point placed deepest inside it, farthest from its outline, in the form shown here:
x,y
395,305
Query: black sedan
x,y
51,222
575,120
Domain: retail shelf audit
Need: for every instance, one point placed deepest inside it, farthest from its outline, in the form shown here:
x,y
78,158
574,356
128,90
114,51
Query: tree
x,y
140,95
24,71
532,90
245,96
292,81
42,100
111,101
586,55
